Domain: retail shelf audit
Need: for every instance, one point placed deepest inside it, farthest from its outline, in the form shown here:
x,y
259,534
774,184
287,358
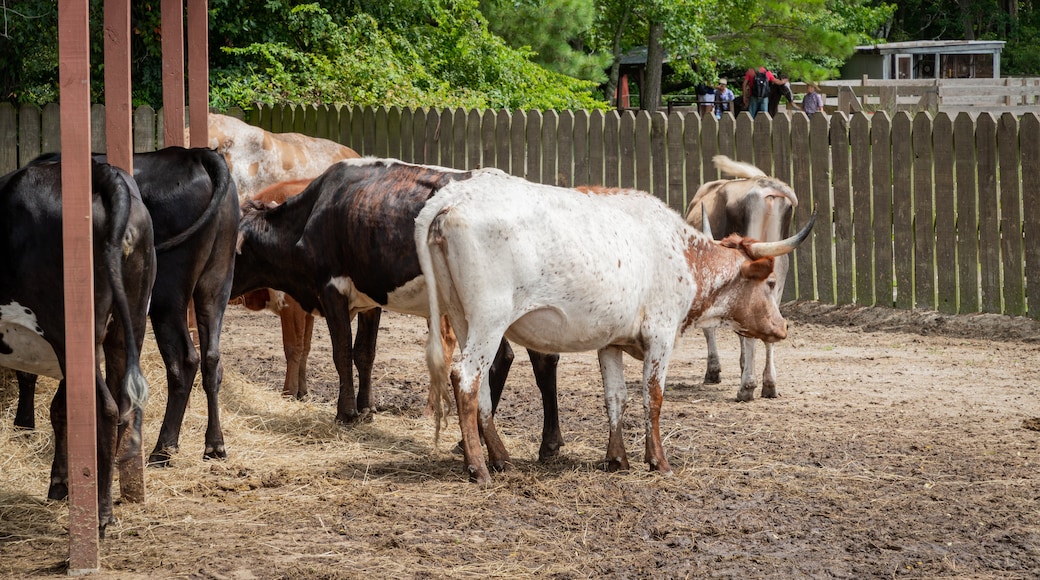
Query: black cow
x,y
194,209
32,321
344,246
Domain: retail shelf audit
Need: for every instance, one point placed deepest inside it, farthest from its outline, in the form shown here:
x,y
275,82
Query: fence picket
x,y
1030,138
967,215
8,138
823,238
902,212
801,181
989,212
945,216
881,202
1013,274
844,274
862,238
924,214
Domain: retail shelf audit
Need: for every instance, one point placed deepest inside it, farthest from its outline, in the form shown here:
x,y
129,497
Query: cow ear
x,y
757,270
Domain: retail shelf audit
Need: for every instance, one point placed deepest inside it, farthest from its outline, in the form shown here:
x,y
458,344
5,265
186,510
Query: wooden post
x,y
74,82
173,72
198,72
118,132
119,144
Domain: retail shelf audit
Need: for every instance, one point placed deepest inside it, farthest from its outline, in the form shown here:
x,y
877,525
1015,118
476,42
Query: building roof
x,y
933,46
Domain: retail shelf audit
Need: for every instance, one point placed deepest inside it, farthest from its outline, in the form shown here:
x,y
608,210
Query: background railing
x,y
937,213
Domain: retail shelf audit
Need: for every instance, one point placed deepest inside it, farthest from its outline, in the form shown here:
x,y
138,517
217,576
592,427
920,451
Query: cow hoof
x,y
617,464
365,416
746,394
769,391
215,453
58,490
712,377
160,458
549,452
501,466
25,425
479,475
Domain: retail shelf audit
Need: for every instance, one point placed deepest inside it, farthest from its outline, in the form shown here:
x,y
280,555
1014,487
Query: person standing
x,y
723,99
756,89
812,102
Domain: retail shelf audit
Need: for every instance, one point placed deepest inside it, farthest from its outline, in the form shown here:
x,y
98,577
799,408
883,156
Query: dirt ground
x,y
902,445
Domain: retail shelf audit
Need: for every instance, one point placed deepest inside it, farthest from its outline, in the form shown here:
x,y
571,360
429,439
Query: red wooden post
x,y
119,143
118,133
74,81
198,72
173,71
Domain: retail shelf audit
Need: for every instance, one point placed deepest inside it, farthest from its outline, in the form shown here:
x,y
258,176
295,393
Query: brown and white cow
x,y
32,318
345,245
755,206
259,158
562,270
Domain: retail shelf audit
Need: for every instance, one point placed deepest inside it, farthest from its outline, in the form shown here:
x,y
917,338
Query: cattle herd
x,y
304,227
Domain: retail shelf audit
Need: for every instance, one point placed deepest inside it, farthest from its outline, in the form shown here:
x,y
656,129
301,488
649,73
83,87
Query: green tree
x,y
554,30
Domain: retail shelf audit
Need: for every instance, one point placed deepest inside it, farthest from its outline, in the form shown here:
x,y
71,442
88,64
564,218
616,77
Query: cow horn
x,y
705,224
773,249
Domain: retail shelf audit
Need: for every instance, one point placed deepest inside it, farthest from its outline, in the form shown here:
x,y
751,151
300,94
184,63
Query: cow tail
x,y
434,347
107,179
220,176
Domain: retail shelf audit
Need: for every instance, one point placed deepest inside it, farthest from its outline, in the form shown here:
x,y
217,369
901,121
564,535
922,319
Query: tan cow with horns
x,y
754,206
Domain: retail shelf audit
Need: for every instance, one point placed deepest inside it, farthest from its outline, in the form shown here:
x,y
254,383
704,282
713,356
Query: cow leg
x,y
25,415
211,300
308,333
182,364
544,366
59,484
499,371
365,356
769,374
293,320
748,384
108,438
712,376
474,406
615,393
655,371
337,316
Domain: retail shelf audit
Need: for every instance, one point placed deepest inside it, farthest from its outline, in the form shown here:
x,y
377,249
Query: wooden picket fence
x,y
935,213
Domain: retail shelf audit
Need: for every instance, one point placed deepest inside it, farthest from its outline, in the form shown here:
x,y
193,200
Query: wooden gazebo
x,y
74,80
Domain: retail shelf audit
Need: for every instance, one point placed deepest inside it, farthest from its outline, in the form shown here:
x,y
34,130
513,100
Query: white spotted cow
x,y
755,206
563,270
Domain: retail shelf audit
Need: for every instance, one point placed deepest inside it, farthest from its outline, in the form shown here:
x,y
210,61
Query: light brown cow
x,y
259,158
297,324
755,206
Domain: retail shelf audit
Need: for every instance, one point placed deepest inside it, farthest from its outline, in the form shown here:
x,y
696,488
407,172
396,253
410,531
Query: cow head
x,y
747,301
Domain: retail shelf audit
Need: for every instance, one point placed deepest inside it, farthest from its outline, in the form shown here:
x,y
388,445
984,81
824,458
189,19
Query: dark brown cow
x,y
345,246
32,320
755,206
194,210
